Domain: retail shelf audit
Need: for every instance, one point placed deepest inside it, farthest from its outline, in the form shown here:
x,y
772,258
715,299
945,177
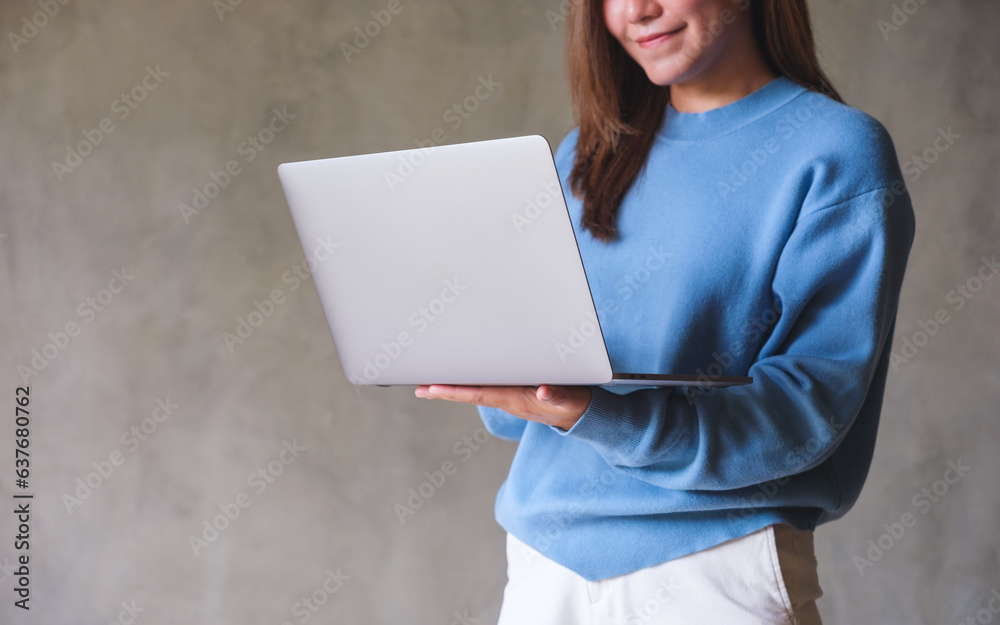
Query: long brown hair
x,y
619,110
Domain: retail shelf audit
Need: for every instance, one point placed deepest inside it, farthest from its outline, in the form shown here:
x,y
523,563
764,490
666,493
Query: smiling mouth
x,y
653,40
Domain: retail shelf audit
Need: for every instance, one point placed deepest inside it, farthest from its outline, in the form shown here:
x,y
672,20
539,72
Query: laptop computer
x,y
454,264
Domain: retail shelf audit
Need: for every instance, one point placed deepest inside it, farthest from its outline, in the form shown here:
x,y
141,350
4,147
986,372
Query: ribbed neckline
x,y
725,119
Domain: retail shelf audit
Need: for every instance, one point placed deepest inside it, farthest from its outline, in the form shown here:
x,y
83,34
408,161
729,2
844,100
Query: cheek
x,y
614,17
706,36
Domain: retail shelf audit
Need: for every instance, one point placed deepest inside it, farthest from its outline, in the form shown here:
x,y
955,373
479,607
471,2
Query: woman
x,y
734,218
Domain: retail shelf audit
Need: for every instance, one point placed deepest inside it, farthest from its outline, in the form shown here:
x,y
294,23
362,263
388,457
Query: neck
x,y
738,72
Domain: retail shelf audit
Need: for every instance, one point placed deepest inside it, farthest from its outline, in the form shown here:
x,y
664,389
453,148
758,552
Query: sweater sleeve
x,y
502,424
837,280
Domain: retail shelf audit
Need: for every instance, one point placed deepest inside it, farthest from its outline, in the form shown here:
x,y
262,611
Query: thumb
x,y
547,394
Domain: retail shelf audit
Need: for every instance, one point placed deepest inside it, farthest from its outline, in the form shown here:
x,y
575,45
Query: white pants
x,y
765,578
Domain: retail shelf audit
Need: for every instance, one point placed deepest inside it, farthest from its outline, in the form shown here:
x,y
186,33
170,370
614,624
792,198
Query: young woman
x,y
734,218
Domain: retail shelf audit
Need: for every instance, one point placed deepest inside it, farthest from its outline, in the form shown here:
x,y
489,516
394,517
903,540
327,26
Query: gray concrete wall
x,y
330,507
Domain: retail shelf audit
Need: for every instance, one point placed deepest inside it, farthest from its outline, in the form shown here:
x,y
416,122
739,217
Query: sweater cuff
x,y
610,422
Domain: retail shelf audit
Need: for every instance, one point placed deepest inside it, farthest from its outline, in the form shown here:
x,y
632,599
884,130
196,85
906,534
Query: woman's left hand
x,y
561,406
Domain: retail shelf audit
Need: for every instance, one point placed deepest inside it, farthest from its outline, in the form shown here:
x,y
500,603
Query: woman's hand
x,y
561,406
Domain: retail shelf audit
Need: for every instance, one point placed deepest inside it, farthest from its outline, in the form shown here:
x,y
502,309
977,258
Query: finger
x,y
546,394
448,392
493,396
553,395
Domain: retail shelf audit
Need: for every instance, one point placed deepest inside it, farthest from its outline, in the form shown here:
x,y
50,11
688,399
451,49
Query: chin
x,y
661,80
673,70
663,77
666,71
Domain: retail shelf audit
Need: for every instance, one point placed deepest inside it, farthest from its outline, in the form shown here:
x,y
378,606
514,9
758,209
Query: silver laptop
x,y
454,264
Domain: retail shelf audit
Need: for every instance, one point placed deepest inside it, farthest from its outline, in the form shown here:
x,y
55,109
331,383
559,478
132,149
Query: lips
x,y
654,39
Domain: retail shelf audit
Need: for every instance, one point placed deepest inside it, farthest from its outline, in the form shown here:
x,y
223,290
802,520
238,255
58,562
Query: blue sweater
x,y
765,238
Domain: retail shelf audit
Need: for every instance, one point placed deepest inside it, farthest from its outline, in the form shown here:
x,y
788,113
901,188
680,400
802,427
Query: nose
x,y
642,11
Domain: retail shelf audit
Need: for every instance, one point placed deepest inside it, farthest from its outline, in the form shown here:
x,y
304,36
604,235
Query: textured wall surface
x,y
146,424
